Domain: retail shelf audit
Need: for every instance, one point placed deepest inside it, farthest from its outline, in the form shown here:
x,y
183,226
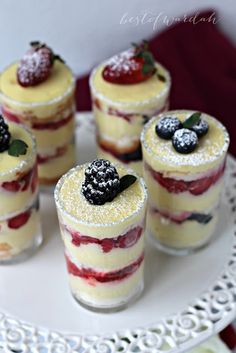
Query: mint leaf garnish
x,y
147,68
146,118
126,181
161,77
141,51
59,58
35,43
192,120
17,148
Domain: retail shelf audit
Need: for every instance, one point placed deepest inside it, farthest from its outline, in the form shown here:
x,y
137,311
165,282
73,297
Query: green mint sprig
x,y
17,148
192,120
126,181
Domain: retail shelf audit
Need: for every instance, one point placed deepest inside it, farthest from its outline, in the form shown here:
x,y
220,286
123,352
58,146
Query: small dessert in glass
x,y
184,161
20,230
101,210
126,91
38,92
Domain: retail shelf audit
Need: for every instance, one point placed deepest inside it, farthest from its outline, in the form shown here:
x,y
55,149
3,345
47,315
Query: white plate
x,y
186,299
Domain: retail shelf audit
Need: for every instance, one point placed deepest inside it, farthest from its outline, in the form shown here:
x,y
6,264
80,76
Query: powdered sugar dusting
x,y
125,205
211,147
121,62
34,67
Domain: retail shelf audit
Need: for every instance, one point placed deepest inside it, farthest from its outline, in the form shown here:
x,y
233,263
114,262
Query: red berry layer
x,y
181,217
129,117
52,125
195,187
59,152
124,241
19,220
104,277
23,183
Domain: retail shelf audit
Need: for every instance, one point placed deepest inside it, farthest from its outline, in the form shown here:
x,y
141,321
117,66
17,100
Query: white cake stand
x,y
186,299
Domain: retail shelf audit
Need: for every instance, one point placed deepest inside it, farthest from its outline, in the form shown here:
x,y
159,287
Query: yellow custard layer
x,y
10,166
186,235
54,168
161,155
117,128
55,86
49,140
143,92
108,220
11,202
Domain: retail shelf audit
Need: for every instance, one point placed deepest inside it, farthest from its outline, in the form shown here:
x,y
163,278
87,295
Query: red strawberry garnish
x,y
132,66
36,65
19,221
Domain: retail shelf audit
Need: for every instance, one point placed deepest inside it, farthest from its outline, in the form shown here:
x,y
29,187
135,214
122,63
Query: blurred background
x,y
87,31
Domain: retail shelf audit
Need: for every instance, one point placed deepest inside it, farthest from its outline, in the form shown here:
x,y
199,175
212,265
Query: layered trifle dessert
x,y
184,161
101,210
38,91
126,91
20,232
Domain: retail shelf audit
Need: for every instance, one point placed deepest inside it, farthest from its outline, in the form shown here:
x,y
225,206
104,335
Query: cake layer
x,y
105,254
19,193
161,156
52,169
161,198
180,235
136,165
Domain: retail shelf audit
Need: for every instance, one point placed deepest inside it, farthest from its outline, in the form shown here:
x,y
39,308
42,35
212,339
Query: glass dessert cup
x,y
184,189
20,230
48,110
121,111
104,244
